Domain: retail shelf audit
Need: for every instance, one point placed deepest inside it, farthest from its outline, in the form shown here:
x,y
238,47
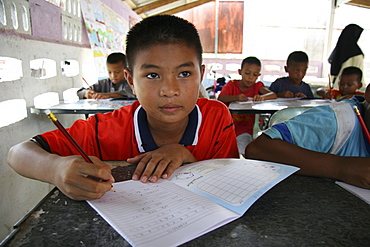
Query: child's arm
x,y
230,98
264,94
69,173
324,93
352,170
161,162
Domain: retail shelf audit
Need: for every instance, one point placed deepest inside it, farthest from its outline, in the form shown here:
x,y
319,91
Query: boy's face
x,y
296,71
348,84
115,72
250,73
166,81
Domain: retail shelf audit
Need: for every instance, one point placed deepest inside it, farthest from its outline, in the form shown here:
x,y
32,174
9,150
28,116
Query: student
x,y
115,86
346,52
168,126
349,83
324,141
292,86
243,90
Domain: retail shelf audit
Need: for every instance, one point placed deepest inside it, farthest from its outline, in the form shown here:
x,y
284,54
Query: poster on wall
x,y
106,31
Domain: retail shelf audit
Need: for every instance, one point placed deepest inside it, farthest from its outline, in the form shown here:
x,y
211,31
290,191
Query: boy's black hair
x,y
161,29
297,56
117,57
353,71
251,60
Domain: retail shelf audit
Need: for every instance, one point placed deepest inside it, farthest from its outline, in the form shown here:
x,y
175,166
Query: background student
x,y
324,141
115,86
168,126
243,90
292,86
349,84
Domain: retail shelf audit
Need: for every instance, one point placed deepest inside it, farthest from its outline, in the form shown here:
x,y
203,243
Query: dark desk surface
x,y
299,211
85,106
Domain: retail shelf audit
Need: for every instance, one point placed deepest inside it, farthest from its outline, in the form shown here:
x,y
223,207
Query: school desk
x,y
299,211
86,106
272,106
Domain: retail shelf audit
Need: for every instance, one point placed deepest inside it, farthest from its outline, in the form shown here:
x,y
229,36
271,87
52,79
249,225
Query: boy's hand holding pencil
x,y
76,175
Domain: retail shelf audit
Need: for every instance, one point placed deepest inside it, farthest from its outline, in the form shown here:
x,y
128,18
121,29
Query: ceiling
x,y
146,8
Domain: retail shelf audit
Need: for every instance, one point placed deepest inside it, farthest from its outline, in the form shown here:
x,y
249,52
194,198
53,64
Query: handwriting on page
x,y
236,184
152,211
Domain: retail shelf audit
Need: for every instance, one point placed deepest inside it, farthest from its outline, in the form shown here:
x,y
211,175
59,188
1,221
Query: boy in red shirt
x,y
166,127
243,90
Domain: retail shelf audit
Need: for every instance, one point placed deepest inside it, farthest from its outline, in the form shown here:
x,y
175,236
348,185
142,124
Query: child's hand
x,y
285,94
258,97
300,95
242,97
73,177
355,173
328,95
161,162
89,94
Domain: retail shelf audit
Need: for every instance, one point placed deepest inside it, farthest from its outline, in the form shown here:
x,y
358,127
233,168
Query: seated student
x,y
168,126
241,90
292,86
349,83
115,86
324,141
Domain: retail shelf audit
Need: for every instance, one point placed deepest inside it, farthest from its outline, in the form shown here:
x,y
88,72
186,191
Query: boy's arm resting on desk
x,y
352,170
230,98
160,163
69,174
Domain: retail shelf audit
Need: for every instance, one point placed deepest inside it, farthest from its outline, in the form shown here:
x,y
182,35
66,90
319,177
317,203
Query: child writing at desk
x,y
292,86
349,83
115,86
243,90
168,125
324,141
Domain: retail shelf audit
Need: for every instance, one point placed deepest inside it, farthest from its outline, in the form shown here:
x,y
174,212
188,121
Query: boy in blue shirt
x,y
324,141
292,86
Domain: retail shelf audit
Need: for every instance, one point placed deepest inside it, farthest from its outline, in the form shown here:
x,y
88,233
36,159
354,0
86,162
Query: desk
x,y
86,106
299,211
271,106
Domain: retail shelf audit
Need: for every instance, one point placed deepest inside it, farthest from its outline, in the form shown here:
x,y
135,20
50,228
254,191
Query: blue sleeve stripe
x,y
284,131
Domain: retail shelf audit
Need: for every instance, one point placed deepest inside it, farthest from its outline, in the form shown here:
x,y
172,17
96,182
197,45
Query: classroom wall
x,y
45,40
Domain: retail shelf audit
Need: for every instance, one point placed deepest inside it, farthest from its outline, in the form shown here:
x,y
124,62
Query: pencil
x,y
363,125
87,83
54,119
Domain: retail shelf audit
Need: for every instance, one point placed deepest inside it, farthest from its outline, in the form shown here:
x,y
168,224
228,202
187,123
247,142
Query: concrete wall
x,y
19,194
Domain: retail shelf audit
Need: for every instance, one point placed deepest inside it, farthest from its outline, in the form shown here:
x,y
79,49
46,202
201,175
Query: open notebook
x,y
198,198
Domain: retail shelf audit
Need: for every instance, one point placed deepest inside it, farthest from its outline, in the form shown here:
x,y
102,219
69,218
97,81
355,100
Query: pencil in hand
x,y
53,118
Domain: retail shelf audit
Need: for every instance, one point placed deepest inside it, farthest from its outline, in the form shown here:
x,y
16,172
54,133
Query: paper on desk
x,y
198,198
364,194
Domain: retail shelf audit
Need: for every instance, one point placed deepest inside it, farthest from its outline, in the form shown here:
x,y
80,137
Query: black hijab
x,y
346,47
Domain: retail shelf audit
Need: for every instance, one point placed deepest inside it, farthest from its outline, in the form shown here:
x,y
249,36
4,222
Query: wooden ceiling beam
x,y
156,4
360,3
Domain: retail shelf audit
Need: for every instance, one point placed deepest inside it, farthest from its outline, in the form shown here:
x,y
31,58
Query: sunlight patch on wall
x,y
12,111
10,69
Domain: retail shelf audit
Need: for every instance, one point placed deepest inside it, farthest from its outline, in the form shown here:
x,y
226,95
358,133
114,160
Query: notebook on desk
x,y
364,194
196,199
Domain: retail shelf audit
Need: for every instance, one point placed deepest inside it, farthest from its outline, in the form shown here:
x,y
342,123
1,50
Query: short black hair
x,y
251,60
117,57
161,29
297,56
353,71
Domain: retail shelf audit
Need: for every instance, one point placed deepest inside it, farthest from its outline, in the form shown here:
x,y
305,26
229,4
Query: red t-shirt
x,y
124,133
243,122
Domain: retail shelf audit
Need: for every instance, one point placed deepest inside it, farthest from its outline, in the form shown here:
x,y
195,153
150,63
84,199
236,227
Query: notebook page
x,y
151,214
364,194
